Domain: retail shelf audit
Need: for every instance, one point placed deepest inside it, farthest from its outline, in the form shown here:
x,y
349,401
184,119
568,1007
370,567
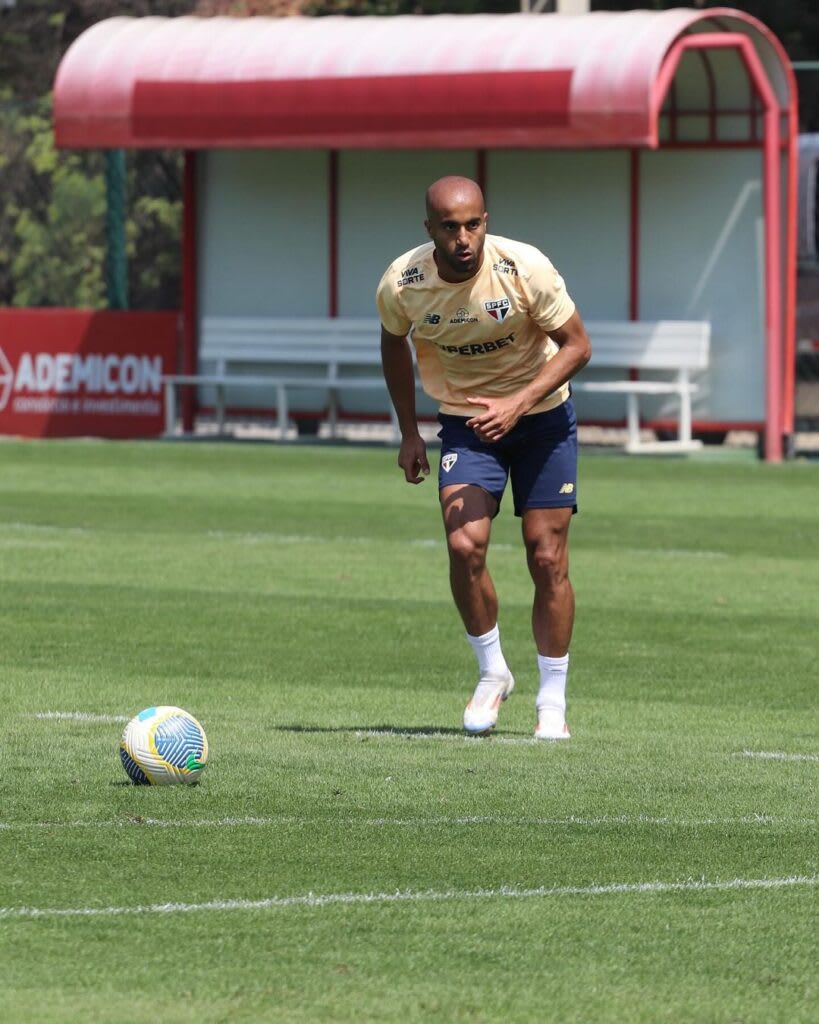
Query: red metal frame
x,y
775,425
634,236
791,214
697,426
711,145
332,195
190,275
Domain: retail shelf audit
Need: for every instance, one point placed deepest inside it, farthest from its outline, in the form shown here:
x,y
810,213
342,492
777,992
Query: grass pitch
x,y
349,855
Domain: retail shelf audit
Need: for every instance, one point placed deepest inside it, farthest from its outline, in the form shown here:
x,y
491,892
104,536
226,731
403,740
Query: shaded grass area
x,y
296,601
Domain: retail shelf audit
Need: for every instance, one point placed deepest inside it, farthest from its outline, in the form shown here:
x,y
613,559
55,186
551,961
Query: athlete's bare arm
x,y
396,360
499,415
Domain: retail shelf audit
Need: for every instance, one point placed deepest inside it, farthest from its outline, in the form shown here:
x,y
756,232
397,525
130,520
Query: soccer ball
x,y
163,746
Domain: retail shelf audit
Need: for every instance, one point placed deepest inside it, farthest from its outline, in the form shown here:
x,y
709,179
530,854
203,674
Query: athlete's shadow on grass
x,y
388,730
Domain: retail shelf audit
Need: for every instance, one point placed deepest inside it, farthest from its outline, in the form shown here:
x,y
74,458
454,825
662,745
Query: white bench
x,y
328,356
324,356
676,348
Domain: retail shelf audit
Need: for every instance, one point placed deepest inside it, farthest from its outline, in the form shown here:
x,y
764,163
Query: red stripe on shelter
x,y
485,105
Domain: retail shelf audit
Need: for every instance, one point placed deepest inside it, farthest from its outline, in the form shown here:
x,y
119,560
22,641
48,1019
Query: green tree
x,y
52,255
153,228
52,223
52,203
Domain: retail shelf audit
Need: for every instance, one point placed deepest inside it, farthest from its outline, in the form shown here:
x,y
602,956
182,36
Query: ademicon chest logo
x,y
70,373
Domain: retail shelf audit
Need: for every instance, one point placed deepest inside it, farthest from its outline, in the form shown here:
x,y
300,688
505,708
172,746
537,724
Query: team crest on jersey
x,y
448,461
497,308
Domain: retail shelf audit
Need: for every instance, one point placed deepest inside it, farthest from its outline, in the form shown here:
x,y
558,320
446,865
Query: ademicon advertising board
x,y
84,373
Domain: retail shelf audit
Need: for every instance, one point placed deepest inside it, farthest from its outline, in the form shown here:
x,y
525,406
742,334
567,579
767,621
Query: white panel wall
x,y
381,214
263,233
264,240
574,206
701,259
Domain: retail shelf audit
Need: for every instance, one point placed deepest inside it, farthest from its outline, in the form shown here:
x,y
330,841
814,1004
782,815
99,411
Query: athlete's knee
x,y
548,560
467,550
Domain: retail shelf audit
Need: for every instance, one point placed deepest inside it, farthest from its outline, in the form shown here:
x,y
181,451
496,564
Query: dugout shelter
x,y
651,155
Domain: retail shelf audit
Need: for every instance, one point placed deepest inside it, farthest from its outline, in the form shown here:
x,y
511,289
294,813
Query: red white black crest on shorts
x,y
448,461
497,308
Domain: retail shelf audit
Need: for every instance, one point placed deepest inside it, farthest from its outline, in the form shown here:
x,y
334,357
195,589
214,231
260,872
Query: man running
x,y
497,338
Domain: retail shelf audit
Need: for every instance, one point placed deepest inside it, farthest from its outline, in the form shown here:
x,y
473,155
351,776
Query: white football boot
x,y
481,713
551,724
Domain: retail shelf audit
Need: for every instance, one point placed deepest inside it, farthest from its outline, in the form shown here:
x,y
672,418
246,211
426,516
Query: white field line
x,y
78,716
571,821
44,528
272,537
675,553
313,540
311,899
452,737
530,741
86,716
777,755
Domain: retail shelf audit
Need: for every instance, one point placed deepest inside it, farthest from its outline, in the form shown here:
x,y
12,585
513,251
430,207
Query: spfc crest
x,y
497,308
448,461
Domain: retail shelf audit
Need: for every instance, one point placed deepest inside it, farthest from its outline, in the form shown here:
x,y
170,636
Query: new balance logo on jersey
x,y
448,461
497,308
566,489
432,318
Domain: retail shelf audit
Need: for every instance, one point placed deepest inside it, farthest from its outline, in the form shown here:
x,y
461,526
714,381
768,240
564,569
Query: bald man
x,y
497,339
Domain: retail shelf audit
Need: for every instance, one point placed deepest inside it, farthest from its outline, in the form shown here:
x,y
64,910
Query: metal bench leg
x,y
220,408
685,409
332,411
633,420
281,402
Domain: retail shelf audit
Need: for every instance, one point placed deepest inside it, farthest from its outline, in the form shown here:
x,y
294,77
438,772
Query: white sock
x,y
552,692
487,648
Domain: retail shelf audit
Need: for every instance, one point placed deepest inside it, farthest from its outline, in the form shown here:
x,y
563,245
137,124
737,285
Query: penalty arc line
x,y
77,716
414,896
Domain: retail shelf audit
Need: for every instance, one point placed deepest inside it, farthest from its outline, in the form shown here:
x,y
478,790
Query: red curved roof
x,y
450,81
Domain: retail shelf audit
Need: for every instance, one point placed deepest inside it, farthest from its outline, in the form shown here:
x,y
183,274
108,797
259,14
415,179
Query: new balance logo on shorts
x,y
566,489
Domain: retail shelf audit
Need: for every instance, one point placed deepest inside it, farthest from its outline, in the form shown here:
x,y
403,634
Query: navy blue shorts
x,y
539,453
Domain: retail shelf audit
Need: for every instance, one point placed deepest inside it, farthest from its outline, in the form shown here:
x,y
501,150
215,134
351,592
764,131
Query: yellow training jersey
x,y
488,336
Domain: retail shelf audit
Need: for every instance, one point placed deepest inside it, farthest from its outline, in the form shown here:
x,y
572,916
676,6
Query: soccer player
x,y
497,338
